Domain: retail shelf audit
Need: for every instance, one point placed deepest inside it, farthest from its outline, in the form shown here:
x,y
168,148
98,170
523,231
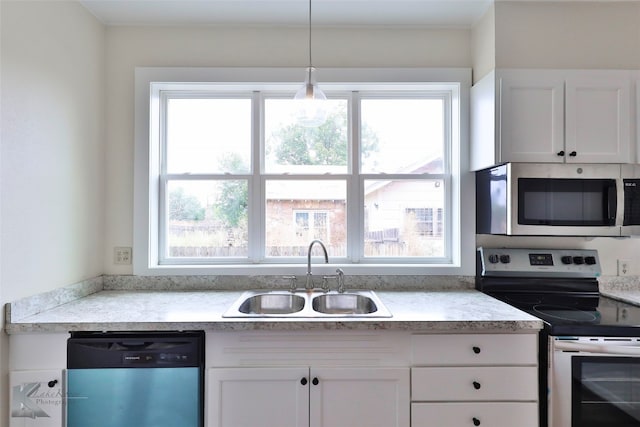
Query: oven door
x,y
594,382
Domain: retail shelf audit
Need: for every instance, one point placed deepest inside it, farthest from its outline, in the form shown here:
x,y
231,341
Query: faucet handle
x,y
325,283
293,285
340,274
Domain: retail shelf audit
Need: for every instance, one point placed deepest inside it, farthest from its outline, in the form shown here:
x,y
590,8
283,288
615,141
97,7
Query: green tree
x,y
184,207
322,145
231,203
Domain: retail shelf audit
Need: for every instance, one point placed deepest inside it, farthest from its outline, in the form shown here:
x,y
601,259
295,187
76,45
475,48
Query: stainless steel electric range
x,y
589,350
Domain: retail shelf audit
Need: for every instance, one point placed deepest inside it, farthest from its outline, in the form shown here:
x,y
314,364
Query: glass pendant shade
x,y
311,108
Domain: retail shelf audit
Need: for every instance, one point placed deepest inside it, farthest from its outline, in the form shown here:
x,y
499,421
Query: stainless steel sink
x,y
346,304
307,304
272,303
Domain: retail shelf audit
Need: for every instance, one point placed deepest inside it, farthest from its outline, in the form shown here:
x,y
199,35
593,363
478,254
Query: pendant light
x,y
311,109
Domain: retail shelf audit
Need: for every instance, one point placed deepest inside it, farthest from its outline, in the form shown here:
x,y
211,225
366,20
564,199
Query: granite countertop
x,y
438,310
630,296
623,288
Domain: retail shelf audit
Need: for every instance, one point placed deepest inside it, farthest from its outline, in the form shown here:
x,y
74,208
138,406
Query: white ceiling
x,y
434,13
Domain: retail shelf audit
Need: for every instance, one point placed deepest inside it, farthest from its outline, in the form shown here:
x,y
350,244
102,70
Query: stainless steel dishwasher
x,y
127,379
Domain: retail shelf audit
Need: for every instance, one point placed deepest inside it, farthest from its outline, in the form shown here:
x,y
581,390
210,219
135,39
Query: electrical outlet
x,y
624,267
122,255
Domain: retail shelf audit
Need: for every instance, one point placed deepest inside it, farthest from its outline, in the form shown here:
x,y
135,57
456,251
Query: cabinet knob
x,y
476,349
573,154
477,385
476,421
315,381
52,383
303,381
560,153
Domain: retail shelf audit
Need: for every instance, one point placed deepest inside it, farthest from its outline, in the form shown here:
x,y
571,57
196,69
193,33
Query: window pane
x,y
207,218
208,135
402,135
299,211
293,148
404,218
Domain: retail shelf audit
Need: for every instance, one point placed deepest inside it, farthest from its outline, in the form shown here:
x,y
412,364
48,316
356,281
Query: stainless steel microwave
x,y
558,200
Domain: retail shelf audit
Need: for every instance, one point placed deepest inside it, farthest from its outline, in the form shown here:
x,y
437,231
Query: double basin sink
x,y
307,304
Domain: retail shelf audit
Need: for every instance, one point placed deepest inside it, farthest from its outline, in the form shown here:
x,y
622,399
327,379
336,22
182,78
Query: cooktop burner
x,y
609,317
565,314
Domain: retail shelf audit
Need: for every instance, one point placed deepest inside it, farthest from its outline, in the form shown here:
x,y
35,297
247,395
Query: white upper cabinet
x,y
532,118
598,117
552,116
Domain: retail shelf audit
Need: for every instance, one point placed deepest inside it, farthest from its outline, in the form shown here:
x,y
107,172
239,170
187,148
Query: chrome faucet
x,y
309,284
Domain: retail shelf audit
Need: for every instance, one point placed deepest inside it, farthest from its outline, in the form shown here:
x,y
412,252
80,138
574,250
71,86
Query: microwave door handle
x,y
612,205
597,348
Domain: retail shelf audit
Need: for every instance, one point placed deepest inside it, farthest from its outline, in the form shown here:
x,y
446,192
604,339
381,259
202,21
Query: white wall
x,y
128,47
52,151
567,34
483,40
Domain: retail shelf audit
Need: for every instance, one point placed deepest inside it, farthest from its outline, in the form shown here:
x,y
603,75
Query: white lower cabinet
x,y
348,397
36,398
474,383
473,414
308,397
488,380
266,397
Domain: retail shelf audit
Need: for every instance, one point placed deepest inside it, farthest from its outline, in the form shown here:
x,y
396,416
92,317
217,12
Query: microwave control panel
x,y
631,202
539,262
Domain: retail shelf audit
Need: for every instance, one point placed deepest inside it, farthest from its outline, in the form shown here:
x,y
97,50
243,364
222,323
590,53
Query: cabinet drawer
x,y
474,383
475,349
474,414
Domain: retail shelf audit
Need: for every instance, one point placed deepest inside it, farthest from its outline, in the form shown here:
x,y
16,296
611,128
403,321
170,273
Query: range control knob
x,y
505,259
590,260
493,258
566,259
578,260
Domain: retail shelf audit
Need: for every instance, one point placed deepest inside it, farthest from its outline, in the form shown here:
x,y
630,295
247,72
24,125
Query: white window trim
x,y
145,260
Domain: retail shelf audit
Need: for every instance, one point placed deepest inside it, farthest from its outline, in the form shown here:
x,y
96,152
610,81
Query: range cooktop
x,y
558,286
600,315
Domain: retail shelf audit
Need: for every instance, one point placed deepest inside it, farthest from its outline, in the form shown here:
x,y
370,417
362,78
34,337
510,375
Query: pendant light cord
x,y
310,61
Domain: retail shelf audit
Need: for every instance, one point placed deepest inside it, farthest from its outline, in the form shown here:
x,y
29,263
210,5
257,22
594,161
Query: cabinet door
x,y
348,397
258,397
532,118
598,119
36,398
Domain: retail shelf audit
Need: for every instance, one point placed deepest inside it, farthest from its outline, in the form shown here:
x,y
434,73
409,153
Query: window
x,y
427,221
231,178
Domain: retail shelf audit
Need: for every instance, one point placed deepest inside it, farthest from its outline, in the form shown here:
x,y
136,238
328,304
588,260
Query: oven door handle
x,y
597,348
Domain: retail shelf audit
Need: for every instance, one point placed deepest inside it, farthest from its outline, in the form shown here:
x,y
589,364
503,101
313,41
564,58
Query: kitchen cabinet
x,y
328,378
267,397
36,380
551,116
482,379
309,397
378,378
36,398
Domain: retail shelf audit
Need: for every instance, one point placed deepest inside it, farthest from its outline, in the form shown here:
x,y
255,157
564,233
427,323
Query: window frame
x,y
149,82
